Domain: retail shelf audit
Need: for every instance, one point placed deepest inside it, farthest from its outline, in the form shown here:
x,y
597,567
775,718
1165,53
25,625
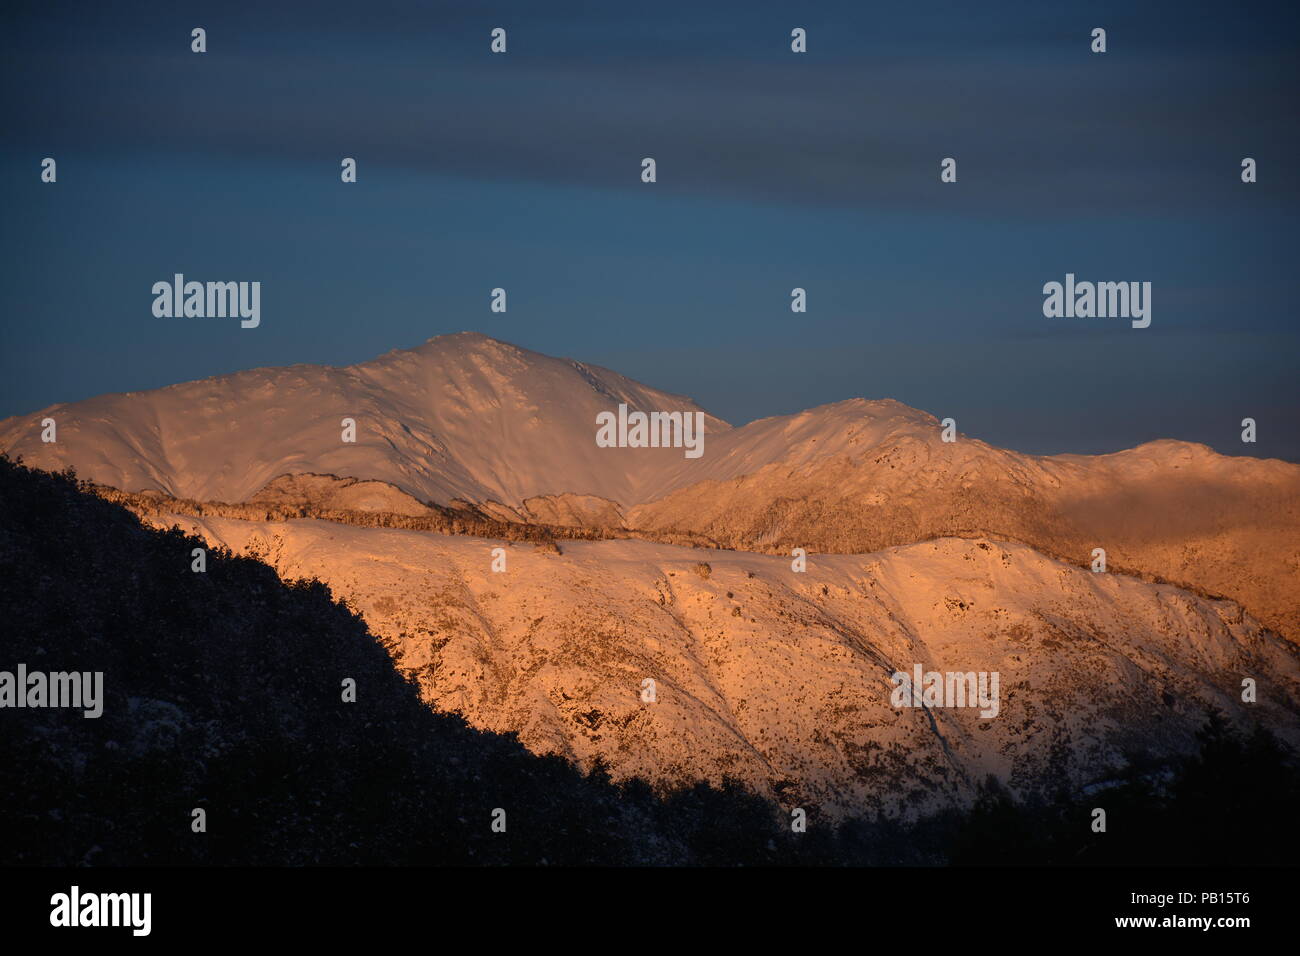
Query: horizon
x,y
690,398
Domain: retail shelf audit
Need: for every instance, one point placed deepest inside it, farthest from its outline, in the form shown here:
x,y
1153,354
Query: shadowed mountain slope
x,y
223,691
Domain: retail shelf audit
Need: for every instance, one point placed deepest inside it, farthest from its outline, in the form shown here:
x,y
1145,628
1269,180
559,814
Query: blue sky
x,y
775,170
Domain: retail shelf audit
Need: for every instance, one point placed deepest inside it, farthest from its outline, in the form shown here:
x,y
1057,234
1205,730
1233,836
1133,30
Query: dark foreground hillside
x,y
223,692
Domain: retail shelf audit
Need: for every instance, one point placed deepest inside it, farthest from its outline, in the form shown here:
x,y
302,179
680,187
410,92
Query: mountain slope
x,y
782,679
1172,510
222,691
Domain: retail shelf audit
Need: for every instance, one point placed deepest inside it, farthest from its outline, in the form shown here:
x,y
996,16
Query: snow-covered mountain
x,y
1172,510
513,432
461,416
956,556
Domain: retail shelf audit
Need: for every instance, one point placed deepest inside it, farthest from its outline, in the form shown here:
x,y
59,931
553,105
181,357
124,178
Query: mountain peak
x,y
469,337
460,416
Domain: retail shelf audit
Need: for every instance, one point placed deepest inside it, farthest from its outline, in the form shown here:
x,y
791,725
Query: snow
x,y
771,675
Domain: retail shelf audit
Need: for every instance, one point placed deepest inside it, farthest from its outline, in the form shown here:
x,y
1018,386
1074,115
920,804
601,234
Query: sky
x,y
775,170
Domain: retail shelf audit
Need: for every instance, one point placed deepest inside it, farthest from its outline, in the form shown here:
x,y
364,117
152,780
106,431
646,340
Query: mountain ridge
x,y
459,357
511,433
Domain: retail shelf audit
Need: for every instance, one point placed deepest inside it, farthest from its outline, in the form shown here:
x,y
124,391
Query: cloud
x,y
1037,123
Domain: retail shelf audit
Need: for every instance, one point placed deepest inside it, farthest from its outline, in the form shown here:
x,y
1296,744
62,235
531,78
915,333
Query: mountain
x,y
222,692
460,417
465,419
952,555
781,679
1171,511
